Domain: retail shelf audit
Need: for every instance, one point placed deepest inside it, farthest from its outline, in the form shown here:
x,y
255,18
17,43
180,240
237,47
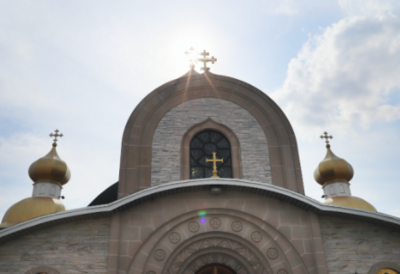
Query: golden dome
x,y
333,169
30,208
350,201
50,168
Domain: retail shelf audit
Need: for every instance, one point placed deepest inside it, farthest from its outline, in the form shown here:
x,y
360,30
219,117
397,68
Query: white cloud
x,y
369,7
344,78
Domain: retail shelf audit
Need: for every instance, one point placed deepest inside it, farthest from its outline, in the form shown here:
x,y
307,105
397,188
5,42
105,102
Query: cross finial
x,y
205,60
56,135
326,137
193,58
214,160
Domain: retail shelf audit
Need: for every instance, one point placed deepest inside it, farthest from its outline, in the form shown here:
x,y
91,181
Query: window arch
x,y
215,269
209,124
202,147
43,270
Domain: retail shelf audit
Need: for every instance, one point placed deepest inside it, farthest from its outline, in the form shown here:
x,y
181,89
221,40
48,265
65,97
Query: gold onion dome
x,y
49,173
50,168
333,169
334,174
30,208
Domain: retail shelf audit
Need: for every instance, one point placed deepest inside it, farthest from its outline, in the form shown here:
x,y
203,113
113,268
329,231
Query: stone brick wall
x,y
163,233
76,247
356,246
165,166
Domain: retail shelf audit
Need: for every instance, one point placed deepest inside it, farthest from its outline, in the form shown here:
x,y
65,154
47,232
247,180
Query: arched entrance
x,y
215,269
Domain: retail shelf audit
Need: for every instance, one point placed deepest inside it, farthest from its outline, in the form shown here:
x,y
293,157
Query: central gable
x,y
270,125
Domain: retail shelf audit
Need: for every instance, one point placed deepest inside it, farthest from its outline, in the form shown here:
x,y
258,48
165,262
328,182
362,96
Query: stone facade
x,y
76,247
250,233
166,148
356,246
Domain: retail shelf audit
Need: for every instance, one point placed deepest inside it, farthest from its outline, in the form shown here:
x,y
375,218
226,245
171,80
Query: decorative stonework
x,y
237,226
215,223
214,244
167,138
256,236
282,271
159,255
194,226
272,253
174,237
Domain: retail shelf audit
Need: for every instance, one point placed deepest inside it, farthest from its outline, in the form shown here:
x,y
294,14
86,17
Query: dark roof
x,y
107,196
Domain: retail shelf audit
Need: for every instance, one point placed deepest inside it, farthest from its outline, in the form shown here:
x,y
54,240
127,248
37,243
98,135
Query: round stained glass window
x,y
202,147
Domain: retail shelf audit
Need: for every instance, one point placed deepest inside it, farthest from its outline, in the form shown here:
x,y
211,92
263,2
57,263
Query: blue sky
x,y
83,66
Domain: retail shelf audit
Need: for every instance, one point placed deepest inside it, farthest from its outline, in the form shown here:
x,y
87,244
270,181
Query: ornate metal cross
x,y
193,58
205,60
326,137
56,135
214,160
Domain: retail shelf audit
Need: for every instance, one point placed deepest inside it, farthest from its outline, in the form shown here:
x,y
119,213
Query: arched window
x,y
202,147
215,269
42,270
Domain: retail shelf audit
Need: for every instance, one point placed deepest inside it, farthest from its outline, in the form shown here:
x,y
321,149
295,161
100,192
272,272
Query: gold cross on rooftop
x,y
326,137
214,160
56,135
193,56
205,60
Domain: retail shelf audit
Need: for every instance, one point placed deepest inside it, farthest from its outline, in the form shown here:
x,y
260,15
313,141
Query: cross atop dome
x,y
193,56
327,137
56,135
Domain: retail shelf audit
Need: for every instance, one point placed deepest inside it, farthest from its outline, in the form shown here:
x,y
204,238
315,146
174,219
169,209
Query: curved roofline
x,y
137,140
152,193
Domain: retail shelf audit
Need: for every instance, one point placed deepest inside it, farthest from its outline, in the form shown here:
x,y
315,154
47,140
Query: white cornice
x,y
263,189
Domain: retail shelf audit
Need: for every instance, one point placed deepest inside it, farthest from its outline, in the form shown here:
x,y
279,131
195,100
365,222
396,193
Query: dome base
x,y
30,208
350,201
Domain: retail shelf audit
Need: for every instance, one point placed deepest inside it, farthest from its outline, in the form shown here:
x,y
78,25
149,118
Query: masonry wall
x,y
76,247
165,166
356,246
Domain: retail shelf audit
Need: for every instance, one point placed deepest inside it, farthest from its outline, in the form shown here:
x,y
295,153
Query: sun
x,y
192,55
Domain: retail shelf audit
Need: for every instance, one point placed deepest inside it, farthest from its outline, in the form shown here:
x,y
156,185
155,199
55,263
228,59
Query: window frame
x,y
210,124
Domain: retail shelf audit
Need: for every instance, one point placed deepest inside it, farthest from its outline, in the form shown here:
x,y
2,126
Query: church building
x,y
210,182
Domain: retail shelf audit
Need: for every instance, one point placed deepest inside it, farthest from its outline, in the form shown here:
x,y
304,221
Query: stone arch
x,y
242,252
136,152
146,259
43,269
216,256
378,266
228,133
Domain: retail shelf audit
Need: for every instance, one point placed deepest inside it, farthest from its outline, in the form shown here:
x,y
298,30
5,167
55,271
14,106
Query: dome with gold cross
x,y
49,174
50,168
332,168
334,174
